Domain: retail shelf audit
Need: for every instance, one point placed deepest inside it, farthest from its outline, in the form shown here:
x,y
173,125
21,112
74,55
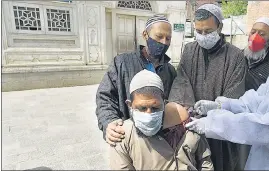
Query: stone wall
x,y
256,9
50,79
39,57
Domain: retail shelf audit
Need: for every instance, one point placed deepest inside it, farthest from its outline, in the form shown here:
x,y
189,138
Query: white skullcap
x,y
213,9
146,78
264,20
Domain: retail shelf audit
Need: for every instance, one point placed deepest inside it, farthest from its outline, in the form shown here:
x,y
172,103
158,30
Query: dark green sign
x,y
178,27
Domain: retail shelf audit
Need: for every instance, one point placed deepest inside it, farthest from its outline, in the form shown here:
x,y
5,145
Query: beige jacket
x,y
154,153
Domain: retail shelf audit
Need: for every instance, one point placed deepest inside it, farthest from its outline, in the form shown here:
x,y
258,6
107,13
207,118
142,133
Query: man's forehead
x,y
206,24
261,27
146,96
161,26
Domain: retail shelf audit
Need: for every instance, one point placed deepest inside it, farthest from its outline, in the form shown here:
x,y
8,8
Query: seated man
x,y
155,137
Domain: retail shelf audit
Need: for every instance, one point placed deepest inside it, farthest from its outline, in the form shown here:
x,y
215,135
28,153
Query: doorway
x,y
129,32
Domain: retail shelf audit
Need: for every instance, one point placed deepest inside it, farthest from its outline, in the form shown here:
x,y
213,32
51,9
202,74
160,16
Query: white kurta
x,y
244,121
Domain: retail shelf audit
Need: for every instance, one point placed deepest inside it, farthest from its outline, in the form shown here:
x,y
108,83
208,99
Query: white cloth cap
x,y
264,20
146,78
213,9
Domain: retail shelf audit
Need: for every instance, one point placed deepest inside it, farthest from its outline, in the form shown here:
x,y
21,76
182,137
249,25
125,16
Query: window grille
x,y
27,18
42,19
141,5
58,20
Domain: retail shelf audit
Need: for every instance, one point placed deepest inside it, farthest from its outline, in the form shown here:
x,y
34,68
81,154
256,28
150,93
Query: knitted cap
x,y
155,19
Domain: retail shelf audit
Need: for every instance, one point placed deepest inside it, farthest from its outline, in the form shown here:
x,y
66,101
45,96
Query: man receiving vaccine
x,y
114,88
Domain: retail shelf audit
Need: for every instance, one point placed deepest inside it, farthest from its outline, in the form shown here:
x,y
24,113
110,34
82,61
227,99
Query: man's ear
x,y
145,35
220,28
129,103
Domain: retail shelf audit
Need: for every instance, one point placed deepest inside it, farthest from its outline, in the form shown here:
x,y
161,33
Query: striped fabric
x,y
156,18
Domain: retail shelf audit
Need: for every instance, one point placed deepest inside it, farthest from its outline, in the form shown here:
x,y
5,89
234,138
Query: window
x,y
43,19
58,20
27,18
141,5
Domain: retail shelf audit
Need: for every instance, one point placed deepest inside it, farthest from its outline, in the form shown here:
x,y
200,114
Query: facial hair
x,y
255,56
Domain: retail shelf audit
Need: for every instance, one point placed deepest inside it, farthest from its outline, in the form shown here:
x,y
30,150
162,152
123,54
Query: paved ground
x,y
55,128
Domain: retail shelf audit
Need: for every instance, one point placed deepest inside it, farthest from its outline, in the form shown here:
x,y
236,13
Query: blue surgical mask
x,y
148,123
156,49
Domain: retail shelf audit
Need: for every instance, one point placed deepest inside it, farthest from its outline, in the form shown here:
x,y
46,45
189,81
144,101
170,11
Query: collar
x,y
218,45
164,59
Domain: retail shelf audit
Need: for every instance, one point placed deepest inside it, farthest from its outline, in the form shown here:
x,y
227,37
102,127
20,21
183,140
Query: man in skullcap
x,y
211,67
257,54
155,136
114,87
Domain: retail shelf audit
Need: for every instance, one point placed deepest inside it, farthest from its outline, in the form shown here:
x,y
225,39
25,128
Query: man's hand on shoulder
x,y
115,132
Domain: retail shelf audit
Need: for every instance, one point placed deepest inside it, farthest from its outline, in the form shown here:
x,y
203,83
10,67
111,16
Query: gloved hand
x,y
203,106
197,125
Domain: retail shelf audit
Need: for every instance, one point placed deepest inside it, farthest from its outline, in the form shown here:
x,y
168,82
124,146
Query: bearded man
x,y
257,54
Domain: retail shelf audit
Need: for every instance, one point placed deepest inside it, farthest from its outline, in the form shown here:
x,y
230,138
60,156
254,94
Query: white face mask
x,y
148,123
209,40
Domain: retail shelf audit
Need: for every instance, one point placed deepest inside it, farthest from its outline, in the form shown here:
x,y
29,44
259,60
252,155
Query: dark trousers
x,y
243,156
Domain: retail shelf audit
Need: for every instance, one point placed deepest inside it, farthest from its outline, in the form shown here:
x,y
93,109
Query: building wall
x,y
50,79
255,10
176,13
44,58
197,4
